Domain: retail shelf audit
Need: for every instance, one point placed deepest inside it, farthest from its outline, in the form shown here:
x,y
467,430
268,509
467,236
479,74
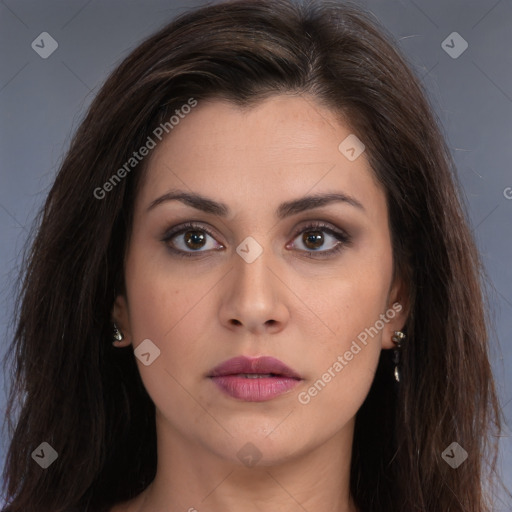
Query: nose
x,y
254,297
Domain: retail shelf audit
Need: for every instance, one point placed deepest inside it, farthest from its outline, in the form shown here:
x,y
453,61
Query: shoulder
x,y
120,507
132,505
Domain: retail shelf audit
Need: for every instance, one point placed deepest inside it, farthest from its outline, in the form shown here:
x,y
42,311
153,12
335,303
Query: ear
x,y
121,317
396,312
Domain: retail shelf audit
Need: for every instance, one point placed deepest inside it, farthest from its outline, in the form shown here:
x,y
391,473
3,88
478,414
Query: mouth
x,y
254,379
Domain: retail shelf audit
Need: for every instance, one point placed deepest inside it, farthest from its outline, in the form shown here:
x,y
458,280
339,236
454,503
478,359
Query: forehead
x,y
249,157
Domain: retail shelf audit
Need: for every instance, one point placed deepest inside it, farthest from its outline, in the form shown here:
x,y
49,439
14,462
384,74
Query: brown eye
x,y
190,240
319,240
313,239
194,239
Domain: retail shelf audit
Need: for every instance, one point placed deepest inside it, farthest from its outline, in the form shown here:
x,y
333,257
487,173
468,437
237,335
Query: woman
x,y
253,286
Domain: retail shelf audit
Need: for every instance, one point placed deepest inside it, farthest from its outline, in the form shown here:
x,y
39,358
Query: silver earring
x,y
117,334
398,339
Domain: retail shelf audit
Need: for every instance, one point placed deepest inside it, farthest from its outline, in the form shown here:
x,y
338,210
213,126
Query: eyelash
x,y
341,236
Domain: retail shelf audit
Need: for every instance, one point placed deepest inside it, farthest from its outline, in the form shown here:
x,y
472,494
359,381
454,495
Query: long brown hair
x,y
86,399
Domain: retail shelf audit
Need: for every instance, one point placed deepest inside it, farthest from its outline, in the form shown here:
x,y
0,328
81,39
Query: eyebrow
x,y
284,210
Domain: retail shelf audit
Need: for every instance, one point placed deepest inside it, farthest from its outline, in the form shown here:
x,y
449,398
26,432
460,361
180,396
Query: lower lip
x,y
254,390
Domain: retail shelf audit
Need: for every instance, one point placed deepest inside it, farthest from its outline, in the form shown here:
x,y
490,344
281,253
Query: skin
x,y
305,311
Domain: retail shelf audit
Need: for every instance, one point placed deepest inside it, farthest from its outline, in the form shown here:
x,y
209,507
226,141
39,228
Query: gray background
x,y
43,100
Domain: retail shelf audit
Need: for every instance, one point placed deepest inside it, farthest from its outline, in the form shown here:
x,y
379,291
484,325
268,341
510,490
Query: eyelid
x,y
321,226
191,225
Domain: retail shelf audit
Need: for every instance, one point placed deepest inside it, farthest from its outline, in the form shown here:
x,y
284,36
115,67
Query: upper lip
x,y
262,365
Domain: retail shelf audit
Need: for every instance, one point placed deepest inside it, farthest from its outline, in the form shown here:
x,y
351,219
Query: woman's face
x,y
265,270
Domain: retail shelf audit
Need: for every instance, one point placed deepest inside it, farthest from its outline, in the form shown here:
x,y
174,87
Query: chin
x,y
259,446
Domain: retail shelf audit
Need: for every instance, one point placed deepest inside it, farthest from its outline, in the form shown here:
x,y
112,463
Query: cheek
x,y
173,310
350,299
348,339
167,309
160,298
344,363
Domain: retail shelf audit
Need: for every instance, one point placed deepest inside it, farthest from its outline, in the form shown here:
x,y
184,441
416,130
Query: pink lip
x,y
227,377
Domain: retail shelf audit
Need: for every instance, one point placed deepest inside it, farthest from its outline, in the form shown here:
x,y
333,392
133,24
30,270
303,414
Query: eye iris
x,y
196,239
313,239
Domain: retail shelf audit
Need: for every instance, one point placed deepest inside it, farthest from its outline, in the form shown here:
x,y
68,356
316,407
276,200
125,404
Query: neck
x,y
191,478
